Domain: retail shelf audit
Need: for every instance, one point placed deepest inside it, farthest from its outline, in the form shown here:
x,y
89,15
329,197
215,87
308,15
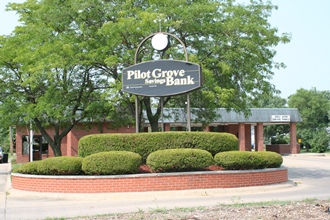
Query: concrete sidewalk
x,y
309,178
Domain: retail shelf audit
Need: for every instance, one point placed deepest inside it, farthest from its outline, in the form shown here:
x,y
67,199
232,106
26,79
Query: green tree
x,y
314,107
4,139
46,77
234,43
63,64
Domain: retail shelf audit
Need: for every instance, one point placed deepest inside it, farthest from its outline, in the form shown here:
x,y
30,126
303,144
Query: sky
x,y
307,56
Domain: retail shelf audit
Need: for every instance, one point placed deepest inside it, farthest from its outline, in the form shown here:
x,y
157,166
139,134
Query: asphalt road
x,y
309,179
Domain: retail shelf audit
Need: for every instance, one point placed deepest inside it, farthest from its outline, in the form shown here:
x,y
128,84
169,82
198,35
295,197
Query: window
x,y
39,144
196,129
25,147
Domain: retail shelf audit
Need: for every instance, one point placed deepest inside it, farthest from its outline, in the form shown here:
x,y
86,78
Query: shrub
x,y
28,168
176,160
279,139
146,143
271,159
319,141
246,160
112,163
61,166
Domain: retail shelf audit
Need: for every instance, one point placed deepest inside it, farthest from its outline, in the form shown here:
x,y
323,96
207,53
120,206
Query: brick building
x,y
174,119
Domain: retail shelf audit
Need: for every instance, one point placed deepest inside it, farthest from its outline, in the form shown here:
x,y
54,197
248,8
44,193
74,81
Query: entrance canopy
x,y
236,123
267,116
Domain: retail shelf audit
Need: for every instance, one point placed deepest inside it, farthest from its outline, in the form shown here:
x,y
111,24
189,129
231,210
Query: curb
x,y
308,155
8,182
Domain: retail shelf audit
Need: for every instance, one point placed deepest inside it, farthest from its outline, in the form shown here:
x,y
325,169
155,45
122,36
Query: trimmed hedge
x,y
29,168
112,163
246,160
177,160
53,166
63,165
146,143
271,159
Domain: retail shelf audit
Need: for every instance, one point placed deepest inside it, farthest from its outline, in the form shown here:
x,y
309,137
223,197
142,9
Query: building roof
x,y
257,115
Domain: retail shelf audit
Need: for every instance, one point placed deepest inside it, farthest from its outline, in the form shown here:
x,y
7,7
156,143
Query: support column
x,y
255,138
241,136
293,138
248,137
167,127
260,137
69,143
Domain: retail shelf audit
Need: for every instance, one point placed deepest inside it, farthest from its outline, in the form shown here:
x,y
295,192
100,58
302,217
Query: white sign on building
x,y
280,118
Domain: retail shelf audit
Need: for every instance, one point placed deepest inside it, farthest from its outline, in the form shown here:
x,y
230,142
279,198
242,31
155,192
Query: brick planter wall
x,y
149,182
281,148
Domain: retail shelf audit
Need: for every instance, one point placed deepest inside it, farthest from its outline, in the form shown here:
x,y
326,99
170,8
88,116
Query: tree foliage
x,y
314,107
46,75
63,64
4,139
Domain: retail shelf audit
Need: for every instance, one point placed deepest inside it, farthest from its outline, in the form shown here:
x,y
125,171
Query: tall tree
x,y
46,77
314,107
63,64
233,42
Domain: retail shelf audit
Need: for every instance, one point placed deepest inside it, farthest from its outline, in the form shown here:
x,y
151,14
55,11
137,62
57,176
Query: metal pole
x,y
31,142
188,112
11,141
162,112
136,114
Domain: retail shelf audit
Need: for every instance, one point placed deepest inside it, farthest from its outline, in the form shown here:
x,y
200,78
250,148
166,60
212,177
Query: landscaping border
x,y
150,181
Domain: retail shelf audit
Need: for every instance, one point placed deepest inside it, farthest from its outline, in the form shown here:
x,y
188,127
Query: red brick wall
x,y
281,148
94,128
149,182
20,132
72,138
233,129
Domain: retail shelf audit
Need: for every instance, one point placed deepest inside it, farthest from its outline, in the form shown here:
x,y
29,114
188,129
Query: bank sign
x,y
161,78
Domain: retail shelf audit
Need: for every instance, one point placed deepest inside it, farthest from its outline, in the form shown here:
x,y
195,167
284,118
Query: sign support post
x,y
188,112
136,114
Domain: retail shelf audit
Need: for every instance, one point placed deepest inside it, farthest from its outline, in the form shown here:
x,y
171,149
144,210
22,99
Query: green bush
x,y
246,160
29,168
177,160
279,139
112,163
271,159
52,166
146,143
319,141
61,166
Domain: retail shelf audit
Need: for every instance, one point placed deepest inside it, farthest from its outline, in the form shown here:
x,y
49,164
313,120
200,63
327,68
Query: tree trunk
x,y
57,150
154,125
56,146
154,118
55,142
